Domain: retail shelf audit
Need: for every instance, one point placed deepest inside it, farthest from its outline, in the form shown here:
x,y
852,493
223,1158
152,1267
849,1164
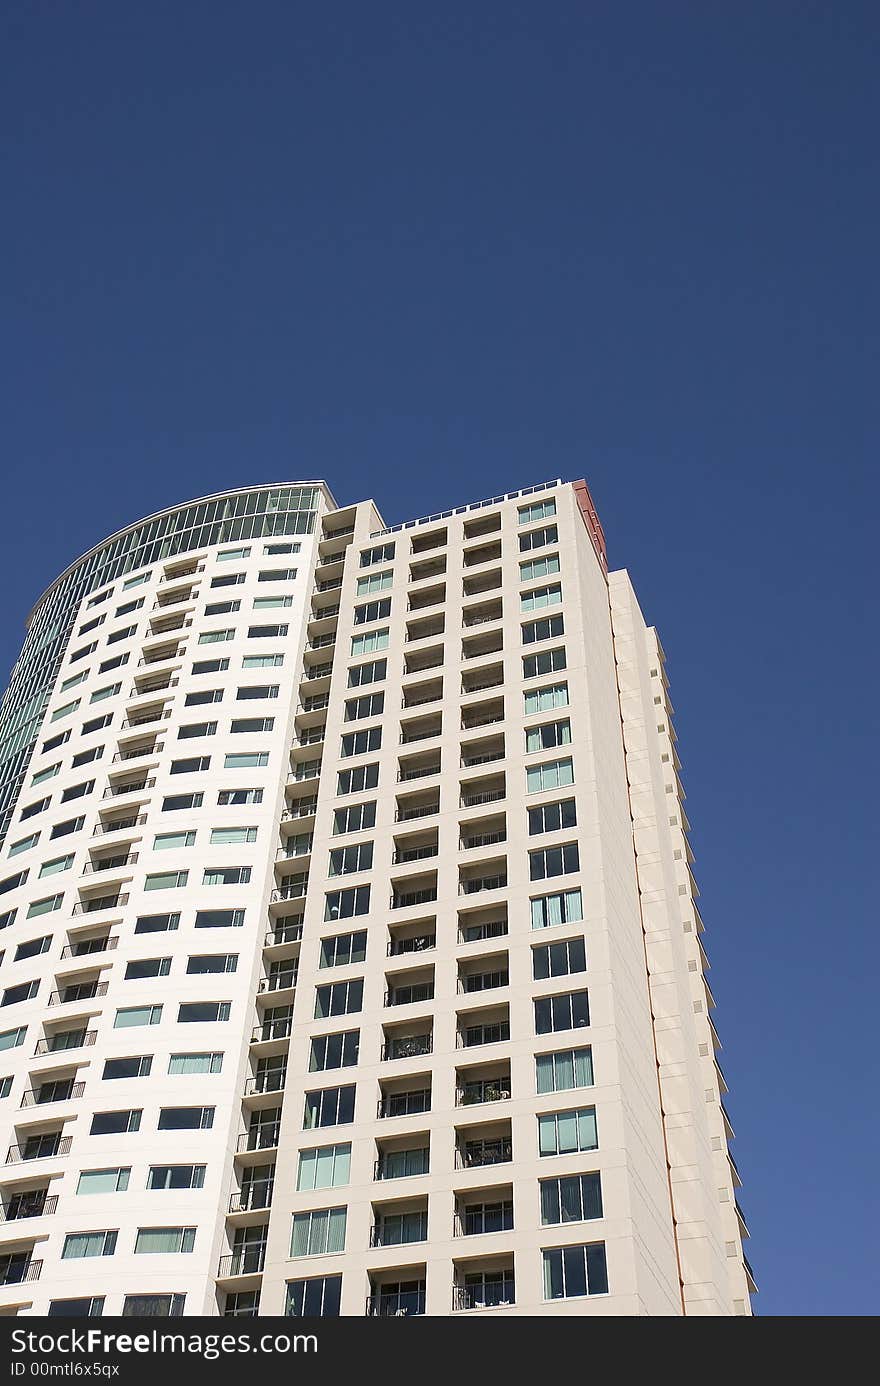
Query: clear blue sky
x,y
431,252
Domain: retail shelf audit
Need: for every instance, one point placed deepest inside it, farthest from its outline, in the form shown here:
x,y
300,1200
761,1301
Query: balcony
x,y
495,1214
402,855
278,981
488,839
143,687
110,863
421,694
482,614
272,1080
313,672
478,925
162,655
415,943
289,932
407,1047
400,1229
470,759
247,1261
252,1198
397,1163
417,772
426,597
272,1030
54,1092
475,1154
116,791
425,810
410,995
473,1036
478,646
138,752
143,719
472,885
65,1040
18,1269
80,991
88,947
410,1103
493,1292
33,1203
483,1090
100,902
39,1148
484,796
430,568
397,1304
481,680
482,553
420,661
421,731
301,808
408,898
258,1138
480,976
296,891
118,825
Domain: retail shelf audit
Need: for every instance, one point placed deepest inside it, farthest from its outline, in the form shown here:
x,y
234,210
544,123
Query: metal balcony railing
x,y
18,1272
420,772
467,844
100,902
397,1305
482,981
41,1151
406,854
285,933
258,1138
409,738
488,1296
424,811
381,1234
88,947
409,1047
413,897
156,686
409,996
303,808
72,1039
83,991
388,1166
469,761
36,1203
278,981
253,1197
478,933
262,1083
502,1221
489,796
115,791
119,824
419,943
271,1030
138,752
248,1261
492,1090
421,702
474,1035
476,1154
404,1103
91,868
33,1097
478,883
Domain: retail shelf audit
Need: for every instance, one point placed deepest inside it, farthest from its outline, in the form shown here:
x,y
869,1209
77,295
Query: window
x,y
147,967
7,918
264,661
339,998
536,510
334,1051
563,1070
84,757
548,735
372,643
375,582
559,959
329,1107
548,628
224,836
565,907
226,875
153,1306
135,581
245,760
44,906
5,1085
219,919
233,553
255,691
70,825
370,705
354,819
372,672
137,1066
212,962
96,723
362,777
99,1181
176,1177
186,1118
188,1064
207,695
272,603
380,553
571,1271
65,710
565,1133
78,791
24,991
33,948
115,663
109,691
134,605
324,1167
266,632
548,818
282,548
47,774
101,597
215,637
36,807
345,860
129,1016
344,949
577,1198
317,1298
210,666
166,880
203,1012
167,1240
122,634
372,611
228,580
554,861
240,796
545,699
318,1233
23,844
156,923
13,882
361,742
80,1244
251,724
11,1039
344,904
163,842
90,1307
222,608
51,868
568,1011
277,574
552,774
190,730
539,568
174,802
55,741
115,1123
192,765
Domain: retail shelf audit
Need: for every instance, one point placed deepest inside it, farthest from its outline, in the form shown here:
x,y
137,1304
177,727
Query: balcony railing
x,y
478,933
397,1305
110,864
119,824
478,883
475,1035
17,1153
286,933
488,1296
410,1047
100,902
420,702
271,1081
258,1138
419,773
482,840
419,943
409,996
382,1235
72,1039
138,752
32,1097
294,892
489,796
18,1272
253,1197
413,897
271,1030
492,1090
115,791
146,719
88,947
476,1154
278,981
404,1103
83,992
482,981
37,1203
407,854
248,1261
500,1222
303,808
468,762
423,811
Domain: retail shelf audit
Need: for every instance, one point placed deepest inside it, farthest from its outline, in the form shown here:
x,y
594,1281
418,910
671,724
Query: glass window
x,y
164,1240
548,628
375,582
372,643
566,1133
320,1232
564,1069
563,907
559,959
176,1177
325,1167
195,1063
264,661
329,1107
344,904
536,510
99,1181
137,1015
81,1244
186,1118
317,1298
539,567
361,777
545,699
223,836
569,1011
576,1198
166,880
572,1271
554,861
245,760
167,841
51,868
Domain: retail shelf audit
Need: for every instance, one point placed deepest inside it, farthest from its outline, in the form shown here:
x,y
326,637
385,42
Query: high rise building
x,y
351,959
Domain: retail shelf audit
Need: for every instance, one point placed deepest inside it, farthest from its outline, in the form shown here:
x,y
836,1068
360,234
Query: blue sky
x,y
431,252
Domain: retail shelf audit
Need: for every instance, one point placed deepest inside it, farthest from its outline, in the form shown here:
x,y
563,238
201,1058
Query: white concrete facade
x,y
448,1207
